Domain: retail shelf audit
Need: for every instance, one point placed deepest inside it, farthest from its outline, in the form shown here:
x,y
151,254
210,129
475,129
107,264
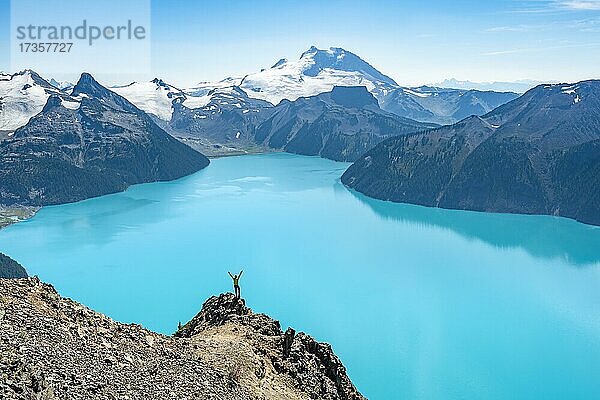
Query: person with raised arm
x,y
236,283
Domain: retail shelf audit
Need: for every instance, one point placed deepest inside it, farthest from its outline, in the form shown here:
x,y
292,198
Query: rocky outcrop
x,y
55,348
312,366
9,268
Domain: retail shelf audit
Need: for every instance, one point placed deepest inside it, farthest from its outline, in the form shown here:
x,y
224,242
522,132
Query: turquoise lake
x,y
419,303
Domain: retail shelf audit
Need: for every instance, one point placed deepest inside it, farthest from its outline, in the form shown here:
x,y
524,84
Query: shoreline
x,y
13,214
217,150
243,153
10,215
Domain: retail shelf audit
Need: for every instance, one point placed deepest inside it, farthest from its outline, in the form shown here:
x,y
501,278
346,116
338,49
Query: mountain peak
x,y
353,96
53,102
26,71
35,77
159,82
87,85
312,50
339,59
280,62
331,51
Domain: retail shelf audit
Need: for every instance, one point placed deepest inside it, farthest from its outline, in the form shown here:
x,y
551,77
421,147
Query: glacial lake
x,y
419,303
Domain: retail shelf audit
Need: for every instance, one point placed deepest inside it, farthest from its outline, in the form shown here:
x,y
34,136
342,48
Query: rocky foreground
x,y
54,348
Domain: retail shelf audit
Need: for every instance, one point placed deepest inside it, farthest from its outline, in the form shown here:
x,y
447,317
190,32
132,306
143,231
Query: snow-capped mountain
x,y
22,95
87,144
155,97
65,86
158,98
203,88
210,117
317,71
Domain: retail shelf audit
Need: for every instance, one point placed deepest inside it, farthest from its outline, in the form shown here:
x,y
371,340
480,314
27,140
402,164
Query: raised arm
x,y
240,275
230,274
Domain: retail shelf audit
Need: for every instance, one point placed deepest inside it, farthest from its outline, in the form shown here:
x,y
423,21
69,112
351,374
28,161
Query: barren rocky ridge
x,y
54,348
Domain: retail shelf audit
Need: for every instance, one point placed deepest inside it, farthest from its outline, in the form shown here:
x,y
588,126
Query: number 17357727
x,y
47,47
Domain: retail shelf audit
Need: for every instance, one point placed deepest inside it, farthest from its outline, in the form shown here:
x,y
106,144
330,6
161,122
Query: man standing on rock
x,y
236,283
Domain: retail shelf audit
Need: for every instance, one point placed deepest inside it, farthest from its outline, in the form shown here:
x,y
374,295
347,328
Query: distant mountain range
x,y
528,154
538,154
63,85
222,117
318,71
339,125
520,86
442,106
315,72
207,118
84,144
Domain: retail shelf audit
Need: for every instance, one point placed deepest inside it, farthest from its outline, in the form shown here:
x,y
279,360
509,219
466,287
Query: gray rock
x,y
54,348
313,367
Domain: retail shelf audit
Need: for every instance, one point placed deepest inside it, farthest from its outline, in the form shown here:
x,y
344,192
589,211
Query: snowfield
x,y
154,97
21,97
317,71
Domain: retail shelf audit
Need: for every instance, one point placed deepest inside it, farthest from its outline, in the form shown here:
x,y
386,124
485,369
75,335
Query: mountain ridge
x,y
537,154
339,125
87,144
10,269
316,71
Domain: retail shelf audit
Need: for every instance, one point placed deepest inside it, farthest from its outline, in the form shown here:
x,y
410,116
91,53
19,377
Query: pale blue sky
x,y
413,41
